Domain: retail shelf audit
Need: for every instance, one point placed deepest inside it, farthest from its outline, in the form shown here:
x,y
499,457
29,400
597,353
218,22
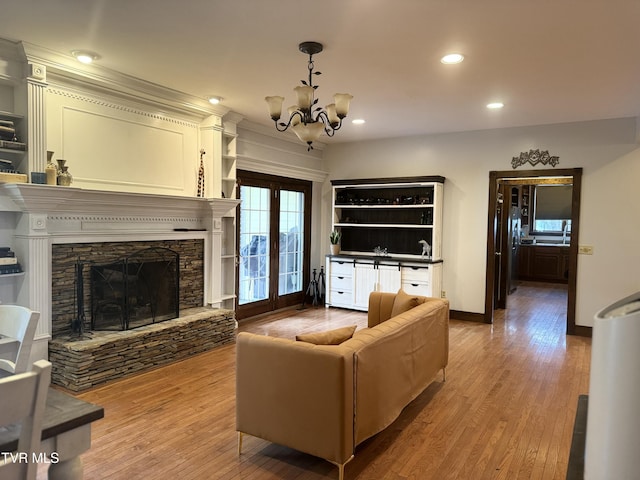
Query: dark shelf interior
x,y
395,240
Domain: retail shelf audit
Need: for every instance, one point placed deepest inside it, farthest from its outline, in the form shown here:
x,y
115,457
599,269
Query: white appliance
x,y
613,419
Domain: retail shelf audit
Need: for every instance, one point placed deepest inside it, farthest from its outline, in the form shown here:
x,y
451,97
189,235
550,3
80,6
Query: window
x,y
552,210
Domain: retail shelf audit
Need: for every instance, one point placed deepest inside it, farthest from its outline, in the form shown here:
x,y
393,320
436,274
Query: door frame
x,y
275,301
576,174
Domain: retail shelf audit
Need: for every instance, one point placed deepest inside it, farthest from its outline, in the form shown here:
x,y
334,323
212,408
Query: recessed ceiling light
x,y
452,58
85,56
358,121
495,105
215,100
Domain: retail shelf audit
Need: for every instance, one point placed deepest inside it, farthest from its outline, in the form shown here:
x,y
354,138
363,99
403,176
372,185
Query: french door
x,y
273,242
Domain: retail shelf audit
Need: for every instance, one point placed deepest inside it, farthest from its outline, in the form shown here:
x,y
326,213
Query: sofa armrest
x,y
380,306
296,394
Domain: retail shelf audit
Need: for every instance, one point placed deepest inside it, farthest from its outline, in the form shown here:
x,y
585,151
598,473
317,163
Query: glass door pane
x,y
291,242
253,282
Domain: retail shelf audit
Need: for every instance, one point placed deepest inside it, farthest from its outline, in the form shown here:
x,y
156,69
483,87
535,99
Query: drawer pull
x,y
415,284
341,278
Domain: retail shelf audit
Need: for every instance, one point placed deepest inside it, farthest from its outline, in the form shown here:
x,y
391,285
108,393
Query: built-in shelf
x,y
10,115
381,225
6,275
396,214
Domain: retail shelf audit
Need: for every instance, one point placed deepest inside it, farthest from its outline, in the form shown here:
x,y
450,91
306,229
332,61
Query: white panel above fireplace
x,y
117,147
103,149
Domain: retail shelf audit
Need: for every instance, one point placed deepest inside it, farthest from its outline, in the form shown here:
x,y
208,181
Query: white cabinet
x,y
389,278
366,279
352,279
422,280
340,275
392,214
372,276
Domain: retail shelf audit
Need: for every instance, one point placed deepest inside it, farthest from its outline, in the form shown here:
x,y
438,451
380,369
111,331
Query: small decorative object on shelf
x,y
8,262
201,176
334,238
51,170
39,178
380,252
426,248
7,130
64,177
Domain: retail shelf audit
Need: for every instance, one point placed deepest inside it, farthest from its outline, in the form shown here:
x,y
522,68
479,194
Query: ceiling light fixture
x,y
495,105
85,56
452,58
306,119
213,100
358,121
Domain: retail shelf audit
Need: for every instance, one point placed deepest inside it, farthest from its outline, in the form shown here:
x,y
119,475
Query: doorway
x,y
497,286
273,241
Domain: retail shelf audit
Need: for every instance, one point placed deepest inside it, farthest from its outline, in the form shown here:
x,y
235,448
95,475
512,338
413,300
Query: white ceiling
x,y
549,61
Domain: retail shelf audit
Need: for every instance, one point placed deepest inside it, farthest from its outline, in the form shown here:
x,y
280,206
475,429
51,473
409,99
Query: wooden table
x,y
66,433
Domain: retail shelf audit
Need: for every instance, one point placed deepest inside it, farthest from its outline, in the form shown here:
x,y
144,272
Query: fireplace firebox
x,y
140,289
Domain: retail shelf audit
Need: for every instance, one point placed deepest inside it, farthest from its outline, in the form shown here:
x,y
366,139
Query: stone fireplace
x,y
59,228
98,296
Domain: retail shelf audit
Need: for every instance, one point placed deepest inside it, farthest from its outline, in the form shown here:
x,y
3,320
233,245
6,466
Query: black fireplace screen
x,y
138,290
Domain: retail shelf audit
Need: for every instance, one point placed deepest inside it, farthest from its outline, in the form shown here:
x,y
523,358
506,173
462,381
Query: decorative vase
x,y
51,170
64,177
335,248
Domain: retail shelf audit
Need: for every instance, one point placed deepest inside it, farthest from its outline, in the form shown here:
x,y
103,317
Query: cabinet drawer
x,y
341,283
416,274
417,288
341,298
341,268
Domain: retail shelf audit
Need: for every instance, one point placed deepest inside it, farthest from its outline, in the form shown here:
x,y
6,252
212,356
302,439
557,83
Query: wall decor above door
x,y
535,157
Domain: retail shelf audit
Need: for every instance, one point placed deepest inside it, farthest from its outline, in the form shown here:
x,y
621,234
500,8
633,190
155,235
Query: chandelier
x,y
306,119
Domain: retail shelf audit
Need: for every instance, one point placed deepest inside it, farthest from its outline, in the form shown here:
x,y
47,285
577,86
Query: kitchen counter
x,y
545,244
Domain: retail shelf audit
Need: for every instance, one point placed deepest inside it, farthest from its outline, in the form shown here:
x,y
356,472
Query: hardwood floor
x,y
506,410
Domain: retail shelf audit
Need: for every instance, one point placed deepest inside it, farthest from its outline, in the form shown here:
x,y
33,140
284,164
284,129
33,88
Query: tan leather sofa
x,y
326,399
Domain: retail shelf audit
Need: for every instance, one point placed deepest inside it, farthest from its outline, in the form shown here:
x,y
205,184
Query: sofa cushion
x,y
330,337
403,302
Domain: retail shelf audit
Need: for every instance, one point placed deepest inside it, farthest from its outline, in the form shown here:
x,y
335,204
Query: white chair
x,y
23,398
18,323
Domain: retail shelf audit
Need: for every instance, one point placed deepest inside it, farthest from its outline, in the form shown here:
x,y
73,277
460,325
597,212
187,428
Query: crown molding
x,y
261,165
66,70
287,136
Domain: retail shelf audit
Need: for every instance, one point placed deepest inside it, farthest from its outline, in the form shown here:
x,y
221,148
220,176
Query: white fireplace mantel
x,y
32,198
47,215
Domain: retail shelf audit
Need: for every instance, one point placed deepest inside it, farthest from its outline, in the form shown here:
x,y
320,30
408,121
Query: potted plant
x,y
334,238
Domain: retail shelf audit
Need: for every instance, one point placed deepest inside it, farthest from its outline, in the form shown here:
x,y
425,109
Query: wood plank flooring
x,y
505,412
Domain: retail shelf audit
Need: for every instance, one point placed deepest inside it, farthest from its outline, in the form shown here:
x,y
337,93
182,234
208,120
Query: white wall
x,y
606,150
